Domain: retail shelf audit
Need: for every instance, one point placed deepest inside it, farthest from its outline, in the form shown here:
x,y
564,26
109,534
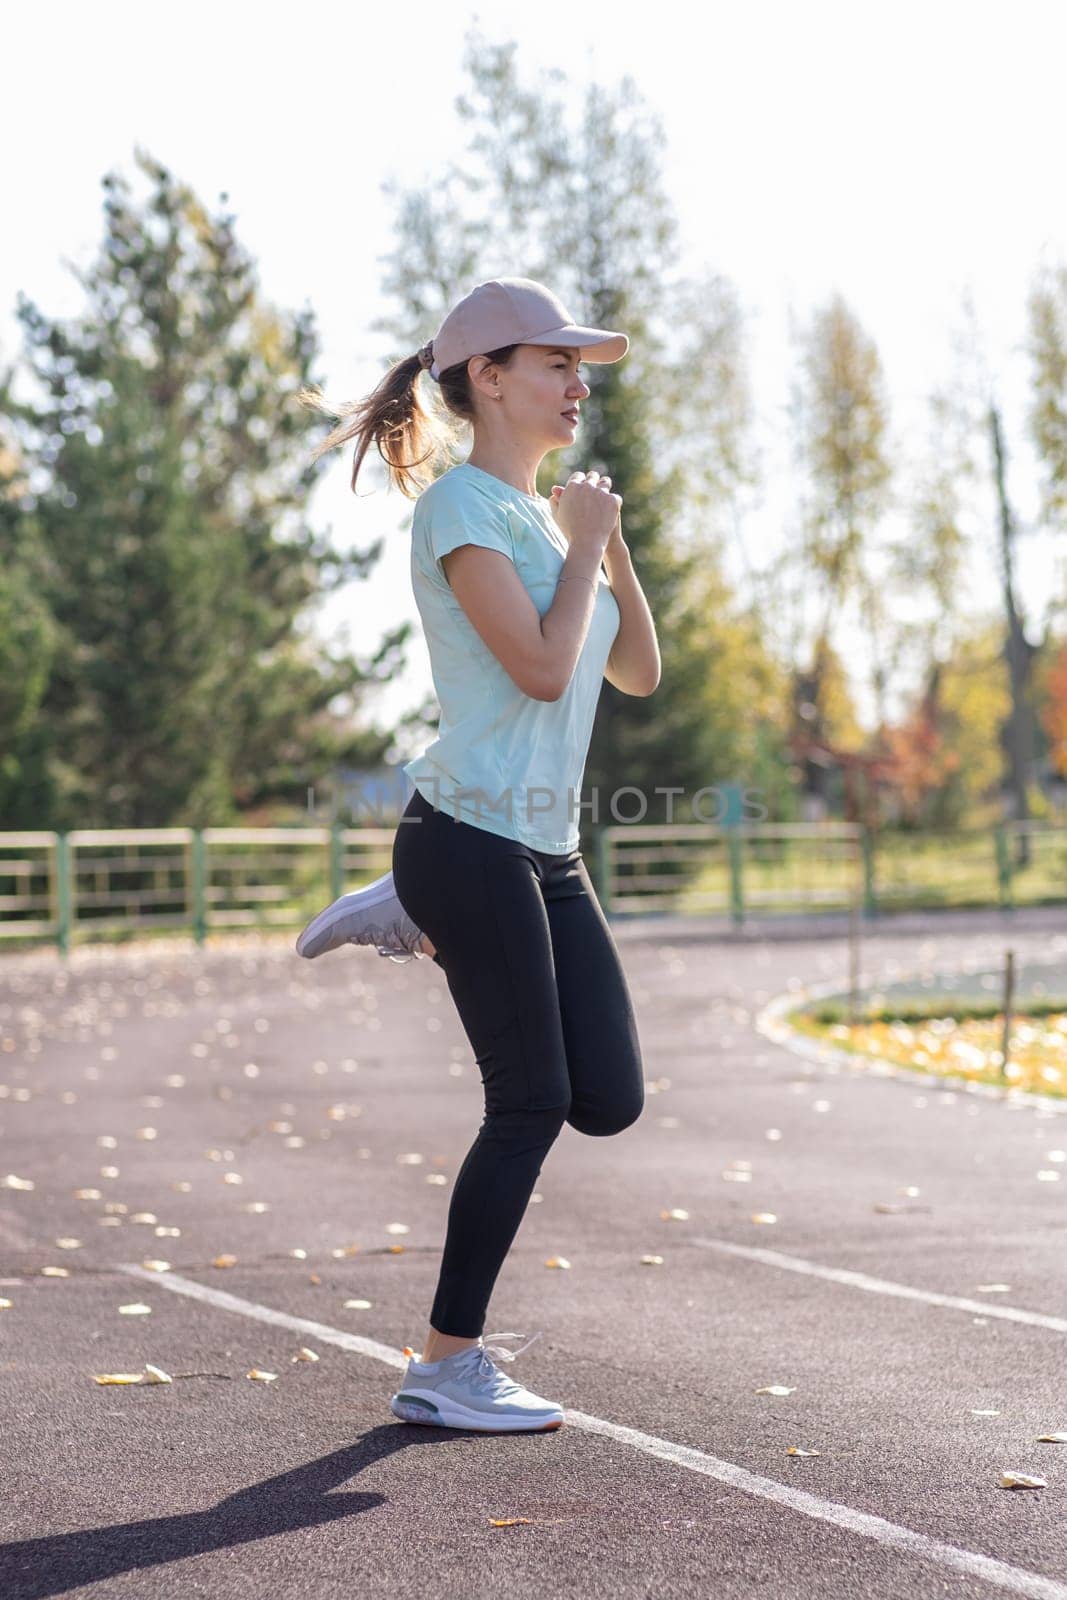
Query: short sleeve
x,y
453,520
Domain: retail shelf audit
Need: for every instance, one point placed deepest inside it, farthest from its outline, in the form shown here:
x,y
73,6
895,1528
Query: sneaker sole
x,y
438,1412
320,928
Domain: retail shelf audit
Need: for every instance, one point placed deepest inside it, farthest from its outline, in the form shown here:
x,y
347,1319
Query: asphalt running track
x,y
158,1076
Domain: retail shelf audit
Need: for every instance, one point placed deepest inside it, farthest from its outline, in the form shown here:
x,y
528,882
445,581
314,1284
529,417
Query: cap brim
x,y
600,344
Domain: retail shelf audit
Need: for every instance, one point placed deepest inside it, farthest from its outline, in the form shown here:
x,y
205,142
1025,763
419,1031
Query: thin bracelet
x,y
579,576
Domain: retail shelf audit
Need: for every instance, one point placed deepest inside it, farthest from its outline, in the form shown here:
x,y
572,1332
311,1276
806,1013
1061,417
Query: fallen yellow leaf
x,y
1019,1480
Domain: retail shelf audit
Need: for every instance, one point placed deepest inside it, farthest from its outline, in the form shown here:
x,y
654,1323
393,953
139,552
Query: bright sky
x,y
901,153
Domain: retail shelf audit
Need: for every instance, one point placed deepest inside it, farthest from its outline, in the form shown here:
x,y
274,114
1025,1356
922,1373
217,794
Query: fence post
x,y
337,859
64,905
737,895
1004,878
603,869
870,904
199,885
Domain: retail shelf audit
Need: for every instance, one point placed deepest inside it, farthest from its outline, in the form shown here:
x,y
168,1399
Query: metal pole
x,y
1009,984
604,884
337,859
853,962
198,858
64,881
737,893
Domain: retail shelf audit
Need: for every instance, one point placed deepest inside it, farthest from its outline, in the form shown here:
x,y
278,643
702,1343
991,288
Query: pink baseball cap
x,y
516,311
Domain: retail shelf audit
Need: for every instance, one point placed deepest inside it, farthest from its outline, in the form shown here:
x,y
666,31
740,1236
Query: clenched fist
x,y
586,509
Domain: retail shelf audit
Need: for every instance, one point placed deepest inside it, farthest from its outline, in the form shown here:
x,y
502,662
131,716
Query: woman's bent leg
x,y
479,898
599,1028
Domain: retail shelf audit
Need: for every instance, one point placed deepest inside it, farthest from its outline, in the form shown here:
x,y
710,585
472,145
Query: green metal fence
x,y
767,868
108,883
117,883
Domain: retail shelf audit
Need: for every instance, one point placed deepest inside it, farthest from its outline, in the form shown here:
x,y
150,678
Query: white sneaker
x,y
371,915
468,1390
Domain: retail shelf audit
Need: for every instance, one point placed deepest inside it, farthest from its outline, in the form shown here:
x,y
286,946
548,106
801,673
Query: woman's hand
x,y
585,508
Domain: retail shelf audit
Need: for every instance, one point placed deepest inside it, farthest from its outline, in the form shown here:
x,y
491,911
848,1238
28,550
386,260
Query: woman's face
x,y
537,390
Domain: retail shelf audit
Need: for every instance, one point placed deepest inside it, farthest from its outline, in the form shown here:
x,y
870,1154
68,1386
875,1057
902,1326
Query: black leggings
x,y
533,969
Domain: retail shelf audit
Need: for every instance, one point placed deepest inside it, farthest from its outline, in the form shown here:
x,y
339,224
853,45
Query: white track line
x,y
281,1319
1017,1580
860,1280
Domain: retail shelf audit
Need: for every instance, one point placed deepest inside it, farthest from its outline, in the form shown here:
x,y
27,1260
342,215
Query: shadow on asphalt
x,y
303,1497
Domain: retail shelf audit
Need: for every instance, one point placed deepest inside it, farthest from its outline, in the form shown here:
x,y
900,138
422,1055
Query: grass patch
x,y
955,1040
942,1005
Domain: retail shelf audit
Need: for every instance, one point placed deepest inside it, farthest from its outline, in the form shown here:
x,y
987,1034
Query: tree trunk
x,y
1019,729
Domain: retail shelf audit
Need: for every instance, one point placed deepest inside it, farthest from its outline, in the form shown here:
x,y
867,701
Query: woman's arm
x,y
634,663
539,653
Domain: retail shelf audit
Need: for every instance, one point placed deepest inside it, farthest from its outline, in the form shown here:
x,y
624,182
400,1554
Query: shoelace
x,y
486,1375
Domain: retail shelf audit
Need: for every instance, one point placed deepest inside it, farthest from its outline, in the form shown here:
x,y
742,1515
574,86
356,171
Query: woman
x,y
527,604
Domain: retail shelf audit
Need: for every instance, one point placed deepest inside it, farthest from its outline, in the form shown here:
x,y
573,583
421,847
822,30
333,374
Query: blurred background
x,y
837,238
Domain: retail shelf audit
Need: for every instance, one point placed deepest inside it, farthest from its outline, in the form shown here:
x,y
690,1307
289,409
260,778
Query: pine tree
x,y
163,517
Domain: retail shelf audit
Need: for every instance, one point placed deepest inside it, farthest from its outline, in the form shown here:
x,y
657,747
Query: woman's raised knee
x,y
601,1121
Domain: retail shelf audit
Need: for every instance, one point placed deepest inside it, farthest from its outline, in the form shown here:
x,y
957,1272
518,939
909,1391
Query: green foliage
x,y
156,495
975,699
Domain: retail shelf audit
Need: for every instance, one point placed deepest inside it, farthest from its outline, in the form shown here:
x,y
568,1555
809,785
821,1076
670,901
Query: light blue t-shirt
x,y
502,760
